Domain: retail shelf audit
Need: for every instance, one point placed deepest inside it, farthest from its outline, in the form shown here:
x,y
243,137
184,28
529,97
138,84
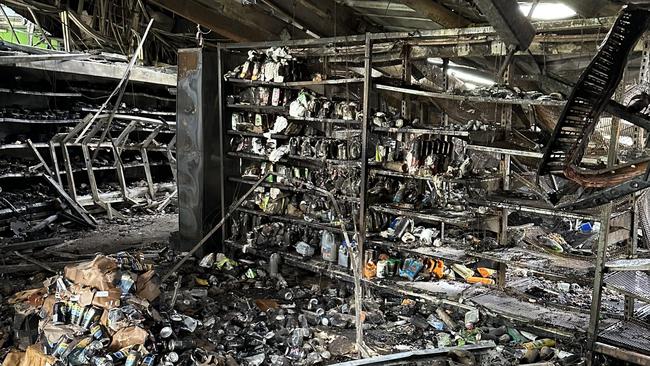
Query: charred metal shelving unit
x,y
62,147
218,181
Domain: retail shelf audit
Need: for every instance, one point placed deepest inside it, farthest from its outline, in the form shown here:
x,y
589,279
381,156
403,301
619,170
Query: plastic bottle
x,y
544,342
328,246
344,256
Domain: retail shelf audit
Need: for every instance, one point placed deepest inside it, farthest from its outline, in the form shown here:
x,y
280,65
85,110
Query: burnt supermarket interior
x,y
336,182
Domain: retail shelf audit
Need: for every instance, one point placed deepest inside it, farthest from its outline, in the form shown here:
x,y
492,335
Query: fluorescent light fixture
x,y
469,78
456,71
547,11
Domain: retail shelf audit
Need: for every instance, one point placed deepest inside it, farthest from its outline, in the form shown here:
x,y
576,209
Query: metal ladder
x,y
593,92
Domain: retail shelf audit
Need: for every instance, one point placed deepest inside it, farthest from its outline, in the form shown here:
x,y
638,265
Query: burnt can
x,y
62,345
98,331
133,358
59,313
119,355
91,316
148,360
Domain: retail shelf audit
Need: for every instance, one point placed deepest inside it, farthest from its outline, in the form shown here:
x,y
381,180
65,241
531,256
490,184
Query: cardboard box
x,y
148,286
129,336
100,273
107,299
35,357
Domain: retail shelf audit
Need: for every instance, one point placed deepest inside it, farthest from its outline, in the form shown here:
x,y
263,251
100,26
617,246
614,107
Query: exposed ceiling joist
x,y
215,20
341,20
509,22
436,12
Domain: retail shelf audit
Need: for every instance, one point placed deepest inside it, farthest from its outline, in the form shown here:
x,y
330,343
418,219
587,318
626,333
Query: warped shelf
x,y
292,220
531,207
293,84
325,120
468,98
547,265
631,283
445,253
423,131
430,215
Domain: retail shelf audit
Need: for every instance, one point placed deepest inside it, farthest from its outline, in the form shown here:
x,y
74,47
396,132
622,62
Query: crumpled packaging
x,y
32,357
14,358
53,332
129,336
148,286
100,273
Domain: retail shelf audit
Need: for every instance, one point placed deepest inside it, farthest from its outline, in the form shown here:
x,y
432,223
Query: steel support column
x,y
197,145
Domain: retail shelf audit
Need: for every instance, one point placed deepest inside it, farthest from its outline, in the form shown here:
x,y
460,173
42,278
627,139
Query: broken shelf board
x,y
632,283
445,253
547,265
285,187
294,84
460,219
134,193
294,158
554,319
627,334
464,98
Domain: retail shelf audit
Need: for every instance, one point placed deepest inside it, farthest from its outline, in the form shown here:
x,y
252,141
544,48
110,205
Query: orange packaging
x,y
370,270
437,267
486,272
485,281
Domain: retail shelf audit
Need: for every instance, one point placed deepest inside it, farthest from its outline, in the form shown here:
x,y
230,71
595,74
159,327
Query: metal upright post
x,y
601,257
506,123
364,147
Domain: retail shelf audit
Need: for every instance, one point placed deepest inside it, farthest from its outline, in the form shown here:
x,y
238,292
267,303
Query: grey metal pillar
x,y
198,145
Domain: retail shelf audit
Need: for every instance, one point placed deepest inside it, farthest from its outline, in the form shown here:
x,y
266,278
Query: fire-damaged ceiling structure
x,y
339,182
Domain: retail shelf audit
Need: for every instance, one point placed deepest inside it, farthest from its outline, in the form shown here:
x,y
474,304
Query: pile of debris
x,y
114,310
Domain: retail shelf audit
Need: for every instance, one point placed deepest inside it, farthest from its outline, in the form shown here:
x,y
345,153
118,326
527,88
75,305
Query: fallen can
x,y
133,358
62,345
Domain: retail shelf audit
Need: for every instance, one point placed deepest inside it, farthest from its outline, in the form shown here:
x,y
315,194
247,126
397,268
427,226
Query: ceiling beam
x,y
215,20
509,22
436,12
323,17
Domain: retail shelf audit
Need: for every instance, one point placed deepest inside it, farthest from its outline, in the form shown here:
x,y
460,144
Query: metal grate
x,y
635,284
629,335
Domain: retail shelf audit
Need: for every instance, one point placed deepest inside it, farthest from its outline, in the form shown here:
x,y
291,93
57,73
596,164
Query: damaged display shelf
x,y
547,265
469,180
444,252
635,284
467,98
630,335
460,219
285,187
293,84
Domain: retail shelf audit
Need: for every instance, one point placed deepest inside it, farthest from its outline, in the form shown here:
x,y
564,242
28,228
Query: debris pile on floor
x,y
114,310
